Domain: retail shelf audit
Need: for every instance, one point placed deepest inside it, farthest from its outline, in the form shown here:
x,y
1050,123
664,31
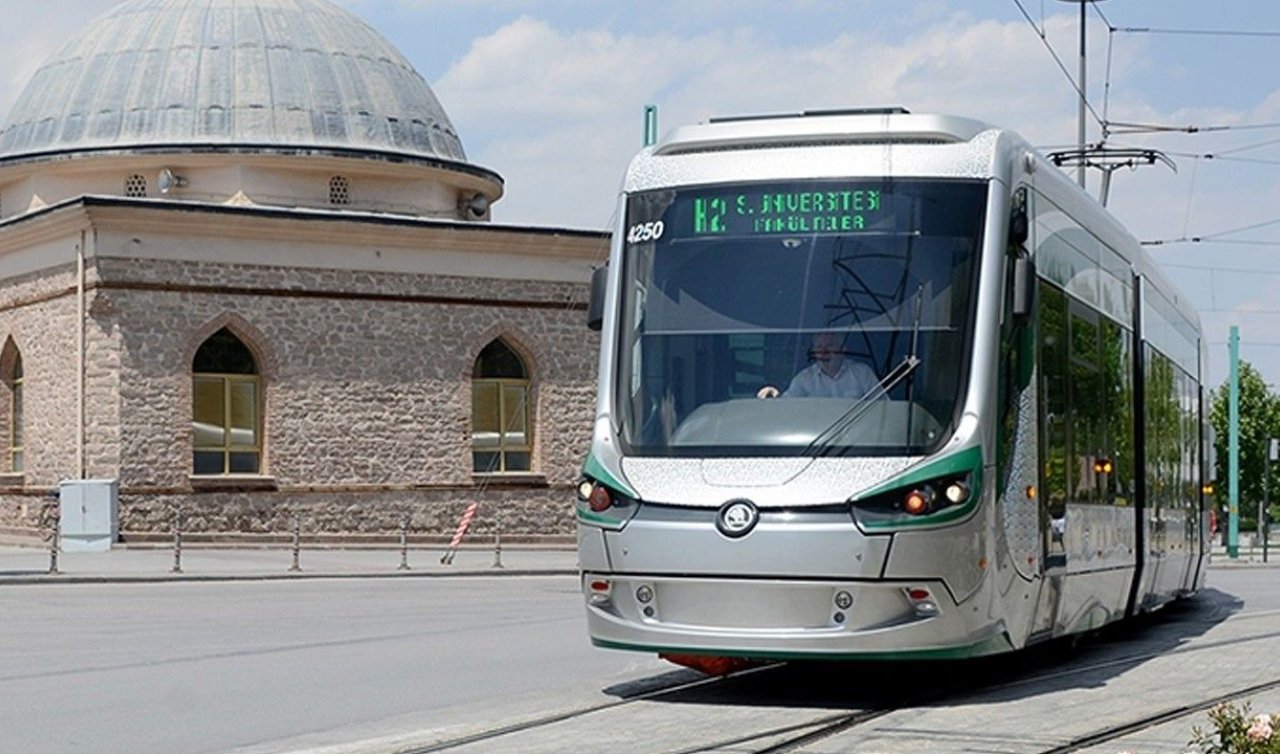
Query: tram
x,y
881,385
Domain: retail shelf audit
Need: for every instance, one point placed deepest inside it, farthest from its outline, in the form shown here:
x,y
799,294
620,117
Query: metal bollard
x,y
497,548
54,542
297,543
404,544
177,539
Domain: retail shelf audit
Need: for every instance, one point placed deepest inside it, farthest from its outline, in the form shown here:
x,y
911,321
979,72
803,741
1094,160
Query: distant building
x,y
247,269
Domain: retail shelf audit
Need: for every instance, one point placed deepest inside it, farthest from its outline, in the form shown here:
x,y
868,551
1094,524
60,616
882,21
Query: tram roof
x,y
817,144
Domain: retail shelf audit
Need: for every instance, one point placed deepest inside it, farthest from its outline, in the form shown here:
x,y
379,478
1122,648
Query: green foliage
x,y
1259,421
1235,731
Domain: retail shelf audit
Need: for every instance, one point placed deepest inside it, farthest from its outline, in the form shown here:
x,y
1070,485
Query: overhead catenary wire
x,y
1196,32
1219,156
1044,38
1191,194
1106,88
1216,237
1232,155
1106,83
1208,239
1122,127
1214,268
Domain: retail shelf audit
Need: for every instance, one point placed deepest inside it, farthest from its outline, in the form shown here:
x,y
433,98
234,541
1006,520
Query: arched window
x,y
501,435
226,407
16,421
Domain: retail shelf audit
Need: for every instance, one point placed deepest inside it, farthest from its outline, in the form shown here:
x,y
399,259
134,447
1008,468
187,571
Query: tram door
x,y
1086,463
1054,416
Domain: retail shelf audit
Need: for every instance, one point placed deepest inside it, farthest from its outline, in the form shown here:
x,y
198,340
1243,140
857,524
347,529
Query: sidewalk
x,y
22,565
30,565
1245,557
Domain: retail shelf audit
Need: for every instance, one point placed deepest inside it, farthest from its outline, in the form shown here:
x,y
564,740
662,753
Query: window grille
x,y
339,190
135,186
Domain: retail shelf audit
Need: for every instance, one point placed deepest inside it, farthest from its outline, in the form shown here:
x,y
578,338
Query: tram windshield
x,y
810,317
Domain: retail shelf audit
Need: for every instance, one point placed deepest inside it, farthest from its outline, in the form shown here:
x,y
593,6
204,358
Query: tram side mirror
x,y
1019,227
1024,287
595,305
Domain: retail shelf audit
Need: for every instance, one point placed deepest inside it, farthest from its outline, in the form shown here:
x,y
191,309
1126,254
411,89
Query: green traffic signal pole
x,y
650,125
1233,444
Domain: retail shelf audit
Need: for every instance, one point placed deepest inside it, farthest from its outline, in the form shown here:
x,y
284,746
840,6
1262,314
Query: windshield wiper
x,y
881,389
855,412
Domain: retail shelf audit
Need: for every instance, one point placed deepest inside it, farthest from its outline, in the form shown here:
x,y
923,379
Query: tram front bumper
x,y
783,619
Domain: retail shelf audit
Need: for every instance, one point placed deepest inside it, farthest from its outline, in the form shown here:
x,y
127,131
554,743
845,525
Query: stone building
x,y
246,269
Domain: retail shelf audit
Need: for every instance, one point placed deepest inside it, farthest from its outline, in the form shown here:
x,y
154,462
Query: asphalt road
x,y
258,667
202,667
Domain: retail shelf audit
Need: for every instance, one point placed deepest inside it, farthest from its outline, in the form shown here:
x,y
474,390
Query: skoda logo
x,y
737,517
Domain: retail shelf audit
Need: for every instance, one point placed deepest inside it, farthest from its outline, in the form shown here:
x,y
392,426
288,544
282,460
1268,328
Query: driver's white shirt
x,y
852,381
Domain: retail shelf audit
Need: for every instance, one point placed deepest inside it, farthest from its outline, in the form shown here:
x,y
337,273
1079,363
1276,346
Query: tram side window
x,y
1087,394
1118,412
1162,431
1190,452
1053,360
1086,408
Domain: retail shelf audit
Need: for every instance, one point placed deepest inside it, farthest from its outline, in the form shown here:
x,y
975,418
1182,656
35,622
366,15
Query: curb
x,y
67,578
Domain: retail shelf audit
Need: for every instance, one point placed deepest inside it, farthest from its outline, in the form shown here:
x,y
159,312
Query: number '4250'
x,y
641,232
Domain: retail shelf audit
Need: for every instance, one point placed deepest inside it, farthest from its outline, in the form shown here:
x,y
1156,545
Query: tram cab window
x,y
719,301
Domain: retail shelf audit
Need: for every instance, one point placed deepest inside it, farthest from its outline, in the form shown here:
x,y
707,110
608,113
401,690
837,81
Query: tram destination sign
x,y
766,211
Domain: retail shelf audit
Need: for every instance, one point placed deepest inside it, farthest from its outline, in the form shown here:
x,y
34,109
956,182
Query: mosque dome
x,y
244,75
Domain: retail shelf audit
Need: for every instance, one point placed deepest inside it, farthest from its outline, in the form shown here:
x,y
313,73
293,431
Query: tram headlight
x,y
957,492
600,498
595,495
918,500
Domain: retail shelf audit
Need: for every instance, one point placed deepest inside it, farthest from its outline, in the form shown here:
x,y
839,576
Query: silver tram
x,y
1021,454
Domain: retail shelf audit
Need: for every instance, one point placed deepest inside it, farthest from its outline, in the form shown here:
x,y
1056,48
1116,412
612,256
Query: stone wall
x,y
367,394
366,380
523,514
38,313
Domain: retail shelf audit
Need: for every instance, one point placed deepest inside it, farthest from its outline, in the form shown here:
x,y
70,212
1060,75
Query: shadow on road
x,y
1083,661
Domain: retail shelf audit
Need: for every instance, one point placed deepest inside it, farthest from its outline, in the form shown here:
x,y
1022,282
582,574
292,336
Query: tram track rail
x,y
543,721
1147,722
813,731
815,726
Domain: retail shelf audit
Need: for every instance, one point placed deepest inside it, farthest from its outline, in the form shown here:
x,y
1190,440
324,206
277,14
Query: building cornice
x,y
196,151
193,219
48,224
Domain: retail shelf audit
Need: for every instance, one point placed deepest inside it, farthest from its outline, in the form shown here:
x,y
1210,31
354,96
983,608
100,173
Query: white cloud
x,y
558,113
536,103
553,100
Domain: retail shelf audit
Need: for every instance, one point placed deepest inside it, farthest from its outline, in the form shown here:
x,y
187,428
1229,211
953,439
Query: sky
x,y
551,95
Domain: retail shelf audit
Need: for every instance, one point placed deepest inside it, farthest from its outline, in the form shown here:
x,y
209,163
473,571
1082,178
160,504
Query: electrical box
x,y
89,518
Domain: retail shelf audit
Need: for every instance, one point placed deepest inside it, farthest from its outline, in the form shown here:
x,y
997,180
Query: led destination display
x,y
764,211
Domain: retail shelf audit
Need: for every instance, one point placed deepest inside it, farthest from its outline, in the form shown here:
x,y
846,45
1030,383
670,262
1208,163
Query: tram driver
x,y
829,376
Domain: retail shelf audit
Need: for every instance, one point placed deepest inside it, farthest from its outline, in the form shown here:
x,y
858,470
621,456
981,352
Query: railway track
x,y
745,703
1147,722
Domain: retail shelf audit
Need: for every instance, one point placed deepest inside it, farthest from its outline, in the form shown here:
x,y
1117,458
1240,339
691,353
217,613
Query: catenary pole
x,y
1233,445
1081,81
1080,122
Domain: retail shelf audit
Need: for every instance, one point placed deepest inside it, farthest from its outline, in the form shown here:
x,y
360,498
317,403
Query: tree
x,y
1259,421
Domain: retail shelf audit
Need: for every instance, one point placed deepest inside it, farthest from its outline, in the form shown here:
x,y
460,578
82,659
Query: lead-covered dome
x,y
237,73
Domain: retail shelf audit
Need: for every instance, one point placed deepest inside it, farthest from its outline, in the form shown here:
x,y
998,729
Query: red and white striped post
x,y
463,524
